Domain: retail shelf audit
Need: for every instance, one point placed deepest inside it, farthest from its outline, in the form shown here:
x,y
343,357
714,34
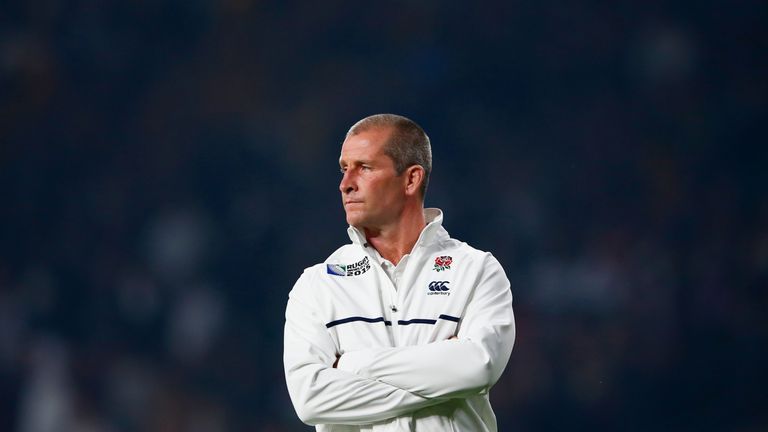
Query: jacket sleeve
x,y
453,368
322,394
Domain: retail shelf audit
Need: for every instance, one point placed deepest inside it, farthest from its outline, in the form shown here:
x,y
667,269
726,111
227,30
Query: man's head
x,y
386,161
407,145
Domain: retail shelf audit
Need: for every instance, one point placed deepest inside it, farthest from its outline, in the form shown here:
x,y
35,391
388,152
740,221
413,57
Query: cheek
x,y
392,193
381,192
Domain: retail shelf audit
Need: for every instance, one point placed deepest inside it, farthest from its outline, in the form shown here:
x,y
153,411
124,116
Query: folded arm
x,y
460,367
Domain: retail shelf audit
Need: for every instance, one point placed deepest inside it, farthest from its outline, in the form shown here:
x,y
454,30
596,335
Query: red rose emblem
x,y
443,263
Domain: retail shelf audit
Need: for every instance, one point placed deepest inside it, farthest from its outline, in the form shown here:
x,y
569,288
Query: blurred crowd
x,y
169,168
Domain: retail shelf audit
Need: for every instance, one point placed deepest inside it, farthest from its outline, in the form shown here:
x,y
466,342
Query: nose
x,y
347,184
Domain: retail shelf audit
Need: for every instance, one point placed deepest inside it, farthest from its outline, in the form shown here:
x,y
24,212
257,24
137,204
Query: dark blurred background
x,y
168,168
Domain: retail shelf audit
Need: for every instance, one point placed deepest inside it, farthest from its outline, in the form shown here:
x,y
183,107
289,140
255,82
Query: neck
x,y
397,239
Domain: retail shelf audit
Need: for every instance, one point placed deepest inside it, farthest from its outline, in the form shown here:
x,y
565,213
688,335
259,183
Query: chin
x,y
352,220
356,219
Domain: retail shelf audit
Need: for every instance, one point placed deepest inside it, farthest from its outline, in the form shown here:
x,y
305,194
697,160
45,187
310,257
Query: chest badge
x,y
355,269
443,262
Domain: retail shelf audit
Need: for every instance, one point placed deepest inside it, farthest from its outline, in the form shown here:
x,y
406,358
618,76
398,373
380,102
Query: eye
x,y
365,168
343,170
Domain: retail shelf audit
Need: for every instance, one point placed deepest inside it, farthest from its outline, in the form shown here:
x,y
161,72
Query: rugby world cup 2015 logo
x,y
355,269
443,263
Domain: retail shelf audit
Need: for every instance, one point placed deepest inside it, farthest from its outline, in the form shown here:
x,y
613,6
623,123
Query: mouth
x,y
346,203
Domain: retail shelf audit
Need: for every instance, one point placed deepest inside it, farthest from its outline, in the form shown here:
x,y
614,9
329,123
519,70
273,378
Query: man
x,y
404,329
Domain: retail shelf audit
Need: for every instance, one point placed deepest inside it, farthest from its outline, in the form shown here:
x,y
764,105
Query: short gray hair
x,y
408,144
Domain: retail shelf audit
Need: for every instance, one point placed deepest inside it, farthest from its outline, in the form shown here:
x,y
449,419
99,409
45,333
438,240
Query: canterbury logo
x,y
438,288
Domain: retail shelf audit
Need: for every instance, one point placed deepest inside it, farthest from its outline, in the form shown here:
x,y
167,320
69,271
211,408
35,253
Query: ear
x,y
414,177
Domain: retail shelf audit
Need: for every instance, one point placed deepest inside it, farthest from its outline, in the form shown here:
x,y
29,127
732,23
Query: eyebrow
x,y
356,161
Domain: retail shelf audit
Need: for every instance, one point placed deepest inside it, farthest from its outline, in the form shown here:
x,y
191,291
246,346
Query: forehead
x,y
366,145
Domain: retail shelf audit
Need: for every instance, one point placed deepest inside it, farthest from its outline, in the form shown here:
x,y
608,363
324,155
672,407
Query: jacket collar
x,y
431,233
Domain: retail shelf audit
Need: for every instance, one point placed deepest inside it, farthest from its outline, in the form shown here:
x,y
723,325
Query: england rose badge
x,y
443,262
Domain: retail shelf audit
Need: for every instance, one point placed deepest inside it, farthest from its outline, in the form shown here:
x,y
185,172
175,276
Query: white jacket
x,y
398,371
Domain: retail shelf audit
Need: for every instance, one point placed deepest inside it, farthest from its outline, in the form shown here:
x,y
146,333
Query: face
x,y
371,191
